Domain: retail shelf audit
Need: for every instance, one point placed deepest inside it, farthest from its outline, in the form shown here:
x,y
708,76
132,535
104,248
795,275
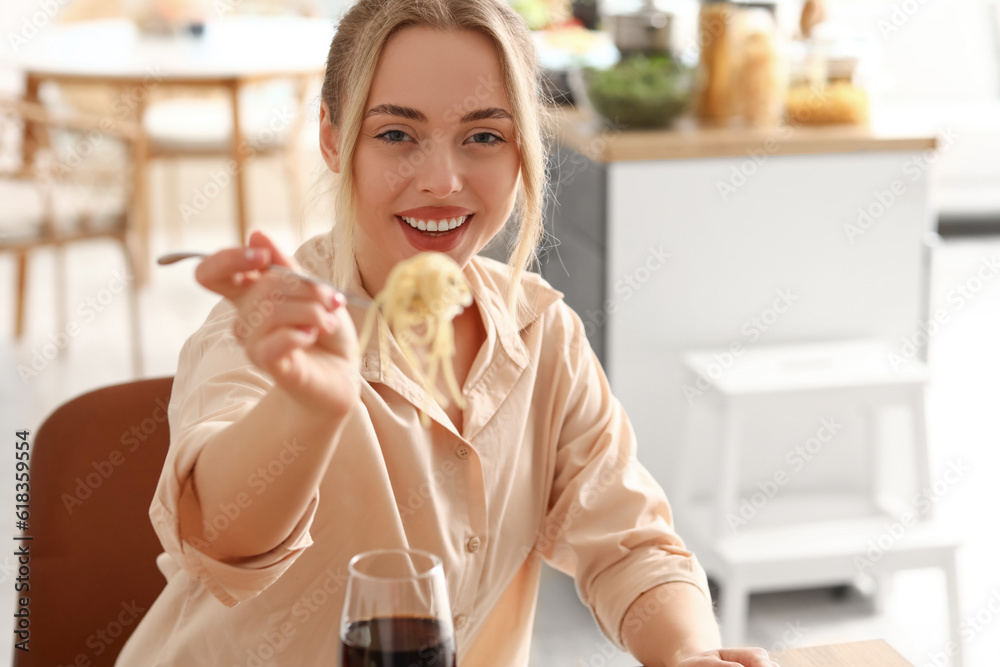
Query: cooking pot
x,y
646,30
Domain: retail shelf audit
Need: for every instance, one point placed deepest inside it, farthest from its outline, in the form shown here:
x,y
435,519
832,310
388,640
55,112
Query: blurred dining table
x,y
872,653
227,54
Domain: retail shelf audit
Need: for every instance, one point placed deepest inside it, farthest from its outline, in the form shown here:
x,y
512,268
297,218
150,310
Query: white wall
x,y
941,65
12,13
932,50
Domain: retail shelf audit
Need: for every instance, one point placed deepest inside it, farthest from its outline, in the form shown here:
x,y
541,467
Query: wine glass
x,y
396,611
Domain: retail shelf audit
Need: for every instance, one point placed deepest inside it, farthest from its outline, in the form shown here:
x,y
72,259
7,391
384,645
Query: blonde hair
x,y
361,35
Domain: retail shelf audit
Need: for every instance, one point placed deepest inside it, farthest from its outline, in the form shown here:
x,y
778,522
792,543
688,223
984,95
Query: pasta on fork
x,y
421,296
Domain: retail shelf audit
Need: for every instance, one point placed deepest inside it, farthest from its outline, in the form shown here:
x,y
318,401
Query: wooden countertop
x,y
874,653
585,134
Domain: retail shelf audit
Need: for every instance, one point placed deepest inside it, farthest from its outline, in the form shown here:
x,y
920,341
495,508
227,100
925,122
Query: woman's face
x,y
436,150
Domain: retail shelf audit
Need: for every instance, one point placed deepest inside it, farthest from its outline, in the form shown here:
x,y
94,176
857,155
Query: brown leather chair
x,y
95,463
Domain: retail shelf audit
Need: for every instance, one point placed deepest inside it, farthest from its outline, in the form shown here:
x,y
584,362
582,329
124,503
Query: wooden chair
x,y
198,123
95,463
65,194
183,122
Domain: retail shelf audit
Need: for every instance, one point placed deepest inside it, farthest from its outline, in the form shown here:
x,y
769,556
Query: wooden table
x,y
231,53
874,653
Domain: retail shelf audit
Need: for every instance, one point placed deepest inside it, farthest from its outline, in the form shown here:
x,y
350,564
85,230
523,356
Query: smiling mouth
x,y
435,227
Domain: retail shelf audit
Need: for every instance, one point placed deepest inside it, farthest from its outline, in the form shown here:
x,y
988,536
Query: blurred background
x,y
778,221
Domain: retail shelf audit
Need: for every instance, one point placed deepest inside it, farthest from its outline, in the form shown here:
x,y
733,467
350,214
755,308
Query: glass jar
x,y
830,86
759,81
713,103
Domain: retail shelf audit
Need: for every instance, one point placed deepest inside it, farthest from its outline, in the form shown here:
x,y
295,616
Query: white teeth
x,y
435,225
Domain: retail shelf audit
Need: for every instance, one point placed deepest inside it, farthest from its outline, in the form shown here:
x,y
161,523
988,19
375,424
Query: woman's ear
x,y
329,140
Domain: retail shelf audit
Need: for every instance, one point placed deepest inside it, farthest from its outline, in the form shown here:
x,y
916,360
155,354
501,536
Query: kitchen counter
x,y
583,132
665,242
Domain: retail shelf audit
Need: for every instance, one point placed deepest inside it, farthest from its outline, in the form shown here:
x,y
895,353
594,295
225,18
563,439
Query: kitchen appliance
x,y
646,30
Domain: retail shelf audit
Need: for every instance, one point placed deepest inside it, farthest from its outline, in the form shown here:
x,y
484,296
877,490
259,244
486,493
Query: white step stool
x,y
807,539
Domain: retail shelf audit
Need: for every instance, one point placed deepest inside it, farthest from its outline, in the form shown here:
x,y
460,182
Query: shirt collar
x,y
488,280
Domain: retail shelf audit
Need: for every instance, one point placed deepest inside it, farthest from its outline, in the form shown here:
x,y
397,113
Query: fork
x,y
364,302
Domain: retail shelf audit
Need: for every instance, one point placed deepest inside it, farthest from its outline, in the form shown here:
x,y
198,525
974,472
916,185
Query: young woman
x,y
292,450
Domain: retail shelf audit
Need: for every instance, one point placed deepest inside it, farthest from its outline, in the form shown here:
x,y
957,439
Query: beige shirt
x,y
542,467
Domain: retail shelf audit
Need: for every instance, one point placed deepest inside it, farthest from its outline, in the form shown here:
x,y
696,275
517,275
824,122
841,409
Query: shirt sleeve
x,y
612,522
215,385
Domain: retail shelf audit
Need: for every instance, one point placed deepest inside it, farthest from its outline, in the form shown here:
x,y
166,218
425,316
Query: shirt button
x,y
462,452
460,621
473,544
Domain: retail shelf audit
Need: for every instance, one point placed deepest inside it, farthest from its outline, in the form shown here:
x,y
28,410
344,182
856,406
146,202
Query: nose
x,y
439,174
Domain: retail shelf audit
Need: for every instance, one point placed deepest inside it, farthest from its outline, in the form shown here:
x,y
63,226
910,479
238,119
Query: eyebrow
x,y
416,115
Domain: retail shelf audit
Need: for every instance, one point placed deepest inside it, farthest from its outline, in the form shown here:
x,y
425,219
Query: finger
x,y
259,239
330,296
270,291
343,340
294,287
226,271
747,656
710,659
282,354
288,314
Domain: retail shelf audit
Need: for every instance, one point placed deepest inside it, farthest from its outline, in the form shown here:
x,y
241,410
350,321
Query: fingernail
x,y
333,299
256,254
306,335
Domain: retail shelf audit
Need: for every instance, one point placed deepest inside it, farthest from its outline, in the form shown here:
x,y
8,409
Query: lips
x,y
424,240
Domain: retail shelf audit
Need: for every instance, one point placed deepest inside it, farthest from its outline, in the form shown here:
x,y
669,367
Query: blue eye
x,y
492,139
383,137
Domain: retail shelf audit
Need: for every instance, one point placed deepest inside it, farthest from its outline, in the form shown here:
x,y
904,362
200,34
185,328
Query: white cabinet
x,y
808,248
785,259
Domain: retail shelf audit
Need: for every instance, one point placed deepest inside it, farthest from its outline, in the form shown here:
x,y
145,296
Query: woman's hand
x,y
297,331
673,625
729,657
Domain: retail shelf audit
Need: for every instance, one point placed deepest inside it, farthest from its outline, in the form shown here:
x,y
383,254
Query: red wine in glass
x,y
396,612
397,641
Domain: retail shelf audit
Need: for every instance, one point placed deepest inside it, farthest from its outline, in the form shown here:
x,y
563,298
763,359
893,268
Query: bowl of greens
x,y
641,91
